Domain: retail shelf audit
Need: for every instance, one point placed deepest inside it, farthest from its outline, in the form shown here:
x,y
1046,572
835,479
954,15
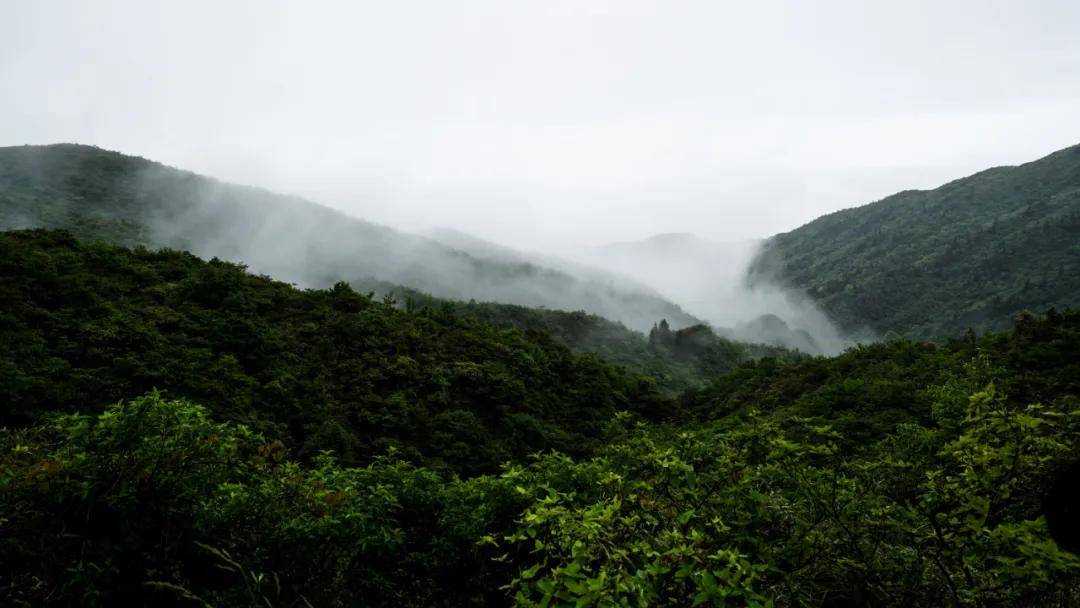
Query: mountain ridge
x,y
931,263
130,200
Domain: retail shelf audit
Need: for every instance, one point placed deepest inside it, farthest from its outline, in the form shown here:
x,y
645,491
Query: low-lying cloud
x,y
710,281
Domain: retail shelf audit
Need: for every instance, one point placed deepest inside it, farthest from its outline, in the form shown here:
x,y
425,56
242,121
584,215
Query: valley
x,y
370,417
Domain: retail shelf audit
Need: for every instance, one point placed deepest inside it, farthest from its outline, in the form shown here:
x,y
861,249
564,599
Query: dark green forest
x,y
181,432
88,324
691,355
931,263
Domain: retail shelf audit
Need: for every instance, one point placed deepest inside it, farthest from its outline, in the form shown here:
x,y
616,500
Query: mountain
x,y
176,431
478,247
931,263
717,349
771,329
180,432
105,195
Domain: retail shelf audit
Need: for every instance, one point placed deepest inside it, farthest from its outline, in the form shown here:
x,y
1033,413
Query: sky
x,y
560,124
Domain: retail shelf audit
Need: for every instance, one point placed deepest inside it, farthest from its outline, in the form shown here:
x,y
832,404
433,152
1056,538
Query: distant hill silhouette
x,y
931,263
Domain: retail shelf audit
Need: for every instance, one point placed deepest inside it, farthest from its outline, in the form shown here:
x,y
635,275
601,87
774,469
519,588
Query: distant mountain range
x,y
926,264
98,194
931,263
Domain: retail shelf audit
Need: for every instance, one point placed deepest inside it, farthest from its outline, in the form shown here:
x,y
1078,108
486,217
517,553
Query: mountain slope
x,y
933,263
106,195
84,325
674,369
840,480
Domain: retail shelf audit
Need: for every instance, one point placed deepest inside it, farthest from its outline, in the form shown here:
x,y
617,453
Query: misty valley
x,y
215,395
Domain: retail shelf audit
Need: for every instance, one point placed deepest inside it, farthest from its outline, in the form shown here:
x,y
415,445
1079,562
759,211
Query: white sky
x,y
559,123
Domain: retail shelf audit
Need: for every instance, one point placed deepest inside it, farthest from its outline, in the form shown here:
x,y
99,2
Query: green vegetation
x,y
932,263
684,360
106,196
85,325
323,448
152,500
869,390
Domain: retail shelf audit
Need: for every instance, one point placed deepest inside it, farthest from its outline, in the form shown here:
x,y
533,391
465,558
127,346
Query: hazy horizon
x,y
558,125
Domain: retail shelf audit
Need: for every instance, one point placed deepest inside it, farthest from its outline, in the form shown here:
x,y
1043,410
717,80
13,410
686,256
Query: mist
x,y
555,130
553,125
105,195
711,281
678,278
313,246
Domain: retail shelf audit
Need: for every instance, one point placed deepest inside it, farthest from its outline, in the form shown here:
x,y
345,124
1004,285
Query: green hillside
x,y
84,325
98,194
675,367
177,432
932,263
101,195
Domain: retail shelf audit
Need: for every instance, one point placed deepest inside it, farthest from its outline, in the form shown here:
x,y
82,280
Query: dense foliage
x,y
932,263
692,355
321,448
84,325
868,390
153,503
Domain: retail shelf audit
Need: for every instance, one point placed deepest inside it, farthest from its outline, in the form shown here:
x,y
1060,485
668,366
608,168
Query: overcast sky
x,y
550,124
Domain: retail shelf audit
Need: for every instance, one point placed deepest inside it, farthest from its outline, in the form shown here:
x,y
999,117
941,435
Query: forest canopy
x,y
932,263
181,432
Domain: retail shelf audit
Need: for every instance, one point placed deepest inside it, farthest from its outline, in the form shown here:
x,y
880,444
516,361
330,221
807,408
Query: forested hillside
x,y
573,370
675,367
322,448
933,263
98,194
87,324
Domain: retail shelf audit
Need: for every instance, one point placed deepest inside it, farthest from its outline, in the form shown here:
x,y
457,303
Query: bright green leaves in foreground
x,y
650,528
151,501
981,506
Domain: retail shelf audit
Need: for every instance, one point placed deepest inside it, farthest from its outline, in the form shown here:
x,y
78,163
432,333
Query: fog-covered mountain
x,y
106,195
620,277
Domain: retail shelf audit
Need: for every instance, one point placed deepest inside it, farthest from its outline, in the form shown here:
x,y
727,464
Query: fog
x,y
553,129
99,194
710,280
551,125
312,246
